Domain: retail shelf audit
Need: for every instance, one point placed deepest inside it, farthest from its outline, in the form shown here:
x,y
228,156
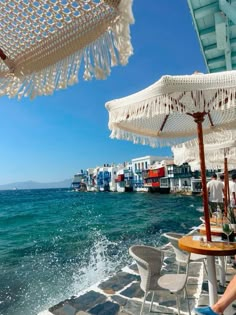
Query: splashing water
x,y
100,264
200,209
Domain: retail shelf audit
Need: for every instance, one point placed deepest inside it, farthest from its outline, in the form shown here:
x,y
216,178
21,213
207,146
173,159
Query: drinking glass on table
x,y
227,228
216,216
219,215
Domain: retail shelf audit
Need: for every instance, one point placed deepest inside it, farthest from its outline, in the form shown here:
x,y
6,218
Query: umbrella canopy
x,y
168,111
215,164
43,43
219,147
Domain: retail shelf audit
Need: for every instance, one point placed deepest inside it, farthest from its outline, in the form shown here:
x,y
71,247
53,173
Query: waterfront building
x,y
140,166
113,170
152,177
124,179
79,181
148,173
179,176
91,175
120,181
102,178
105,178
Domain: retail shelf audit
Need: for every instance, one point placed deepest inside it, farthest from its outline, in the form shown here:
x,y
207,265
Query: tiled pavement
x,y
120,294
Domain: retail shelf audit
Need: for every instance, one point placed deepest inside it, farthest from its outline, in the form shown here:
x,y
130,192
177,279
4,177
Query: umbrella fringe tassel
x,y
112,48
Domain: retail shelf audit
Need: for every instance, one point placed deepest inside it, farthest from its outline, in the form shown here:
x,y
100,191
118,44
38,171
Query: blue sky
x,y
53,137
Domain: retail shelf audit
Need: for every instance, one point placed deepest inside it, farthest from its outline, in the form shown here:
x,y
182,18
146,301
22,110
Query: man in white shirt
x,y
232,191
215,191
222,179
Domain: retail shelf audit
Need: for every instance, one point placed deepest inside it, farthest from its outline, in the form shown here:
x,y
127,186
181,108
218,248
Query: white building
x,y
113,170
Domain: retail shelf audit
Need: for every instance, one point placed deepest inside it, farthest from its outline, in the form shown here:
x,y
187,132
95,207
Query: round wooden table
x,y
192,244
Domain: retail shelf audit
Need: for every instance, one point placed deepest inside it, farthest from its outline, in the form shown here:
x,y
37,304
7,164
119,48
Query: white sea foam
x,y
199,209
45,313
98,267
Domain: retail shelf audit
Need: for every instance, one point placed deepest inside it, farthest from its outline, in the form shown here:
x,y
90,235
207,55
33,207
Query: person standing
x,y
222,179
215,192
232,191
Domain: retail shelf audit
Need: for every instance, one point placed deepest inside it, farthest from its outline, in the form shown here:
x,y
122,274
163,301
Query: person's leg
x,y
221,205
226,299
212,207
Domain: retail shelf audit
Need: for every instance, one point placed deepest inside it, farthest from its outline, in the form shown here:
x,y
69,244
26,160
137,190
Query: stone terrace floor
x,y
120,294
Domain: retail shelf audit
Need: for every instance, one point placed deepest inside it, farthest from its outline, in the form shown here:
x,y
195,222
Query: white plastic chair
x,y
176,283
149,261
181,255
202,219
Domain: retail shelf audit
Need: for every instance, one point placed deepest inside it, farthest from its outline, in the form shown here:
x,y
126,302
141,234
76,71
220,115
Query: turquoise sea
x,y
55,243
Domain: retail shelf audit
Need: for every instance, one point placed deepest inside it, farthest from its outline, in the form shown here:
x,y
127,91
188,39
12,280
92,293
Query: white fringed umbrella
x,y
172,109
167,112
44,43
220,151
216,146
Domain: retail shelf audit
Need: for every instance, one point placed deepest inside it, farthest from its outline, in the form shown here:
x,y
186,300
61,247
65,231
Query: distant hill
x,y
35,185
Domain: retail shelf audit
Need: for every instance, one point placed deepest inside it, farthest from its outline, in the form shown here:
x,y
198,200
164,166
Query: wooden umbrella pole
x,y
8,62
199,118
226,186
2,55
